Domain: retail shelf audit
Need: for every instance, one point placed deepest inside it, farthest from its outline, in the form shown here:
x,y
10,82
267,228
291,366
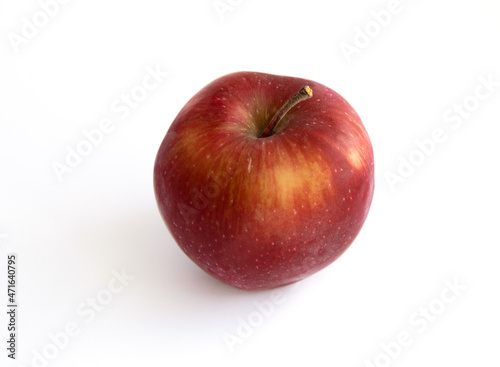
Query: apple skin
x,y
260,213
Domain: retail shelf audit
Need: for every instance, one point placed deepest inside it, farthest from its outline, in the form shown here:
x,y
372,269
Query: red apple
x,y
263,180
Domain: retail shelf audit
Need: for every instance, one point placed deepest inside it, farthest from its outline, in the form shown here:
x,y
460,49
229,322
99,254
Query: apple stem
x,y
302,94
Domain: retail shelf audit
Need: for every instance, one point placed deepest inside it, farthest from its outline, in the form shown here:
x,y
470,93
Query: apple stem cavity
x,y
301,95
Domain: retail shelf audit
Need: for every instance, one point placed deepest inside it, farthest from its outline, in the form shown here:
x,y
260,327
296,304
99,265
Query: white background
x,y
439,225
